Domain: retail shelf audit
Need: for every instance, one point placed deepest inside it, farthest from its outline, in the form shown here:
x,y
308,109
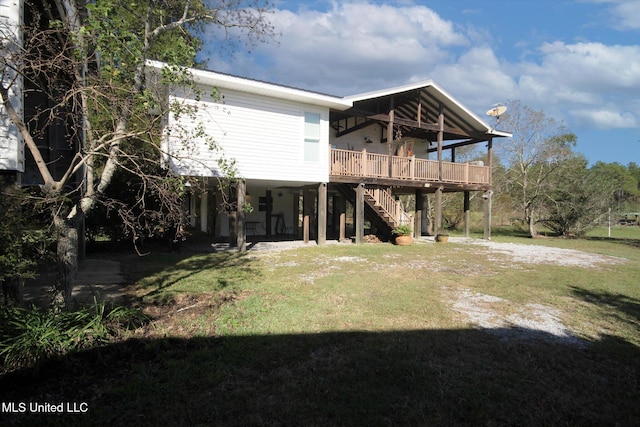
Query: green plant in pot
x,y
403,235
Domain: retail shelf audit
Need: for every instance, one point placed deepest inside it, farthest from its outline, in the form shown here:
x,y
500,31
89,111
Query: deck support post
x,y
438,208
295,212
341,206
359,214
204,210
440,139
467,213
487,196
212,217
322,214
241,232
417,219
268,208
307,211
427,224
390,135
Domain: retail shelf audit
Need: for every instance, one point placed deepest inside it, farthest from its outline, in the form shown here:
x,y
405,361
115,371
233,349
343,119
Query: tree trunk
x,y
532,225
67,260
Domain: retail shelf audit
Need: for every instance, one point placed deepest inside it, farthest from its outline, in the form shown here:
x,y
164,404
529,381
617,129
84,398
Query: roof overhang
x,y
428,97
241,84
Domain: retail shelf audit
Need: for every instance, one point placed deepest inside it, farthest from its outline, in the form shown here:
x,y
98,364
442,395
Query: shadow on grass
x,y
224,270
627,241
622,307
635,243
426,377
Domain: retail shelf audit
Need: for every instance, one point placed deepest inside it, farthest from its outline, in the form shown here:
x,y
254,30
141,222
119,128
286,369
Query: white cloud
x,y
355,47
358,46
626,14
590,83
606,119
477,79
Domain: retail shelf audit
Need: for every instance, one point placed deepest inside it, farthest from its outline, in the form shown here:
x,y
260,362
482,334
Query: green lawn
x,y
364,335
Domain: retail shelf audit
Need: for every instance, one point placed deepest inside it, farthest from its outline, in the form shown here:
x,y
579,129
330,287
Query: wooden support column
x,y
487,196
440,140
307,212
212,221
268,208
490,160
467,213
390,136
192,208
417,219
322,214
343,220
204,211
241,232
359,209
427,227
233,213
438,208
295,214
340,206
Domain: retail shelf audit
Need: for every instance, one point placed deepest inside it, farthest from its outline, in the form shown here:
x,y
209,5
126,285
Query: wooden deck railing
x,y
390,205
363,164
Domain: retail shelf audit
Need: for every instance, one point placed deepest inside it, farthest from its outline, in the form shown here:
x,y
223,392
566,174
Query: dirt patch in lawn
x,y
523,321
511,321
537,254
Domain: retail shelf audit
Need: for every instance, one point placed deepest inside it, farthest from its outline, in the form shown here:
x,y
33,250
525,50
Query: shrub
x,y
30,336
402,230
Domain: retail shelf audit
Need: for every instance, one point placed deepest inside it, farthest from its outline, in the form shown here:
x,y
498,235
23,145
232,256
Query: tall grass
x,y
30,336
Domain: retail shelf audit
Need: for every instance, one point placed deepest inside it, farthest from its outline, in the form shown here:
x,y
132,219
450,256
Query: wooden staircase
x,y
381,209
386,207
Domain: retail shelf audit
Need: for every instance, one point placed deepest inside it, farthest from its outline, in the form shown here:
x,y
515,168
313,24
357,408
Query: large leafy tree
x,y
533,158
579,198
88,62
625,192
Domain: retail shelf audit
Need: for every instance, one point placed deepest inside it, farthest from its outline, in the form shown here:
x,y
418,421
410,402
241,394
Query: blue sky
x,y
576,60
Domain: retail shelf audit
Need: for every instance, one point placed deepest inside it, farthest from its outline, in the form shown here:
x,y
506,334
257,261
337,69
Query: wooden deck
x,y
348,164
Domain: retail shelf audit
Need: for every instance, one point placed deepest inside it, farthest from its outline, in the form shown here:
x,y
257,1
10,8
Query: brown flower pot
x,y
404,240
442,238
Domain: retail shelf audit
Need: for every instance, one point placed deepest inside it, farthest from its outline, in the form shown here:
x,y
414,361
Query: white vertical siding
x,y
264,135
11,146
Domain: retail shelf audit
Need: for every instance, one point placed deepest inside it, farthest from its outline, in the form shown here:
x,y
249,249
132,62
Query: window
x,y
312,137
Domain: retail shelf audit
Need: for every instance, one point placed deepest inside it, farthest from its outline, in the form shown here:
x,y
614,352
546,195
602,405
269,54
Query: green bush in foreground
x,y
30,336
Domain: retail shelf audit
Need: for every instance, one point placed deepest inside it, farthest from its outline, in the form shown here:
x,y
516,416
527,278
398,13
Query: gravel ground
x,y
536,254
528,321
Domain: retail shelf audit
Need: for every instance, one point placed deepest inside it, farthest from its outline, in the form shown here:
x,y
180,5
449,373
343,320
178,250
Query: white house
x,y
11,147
301,155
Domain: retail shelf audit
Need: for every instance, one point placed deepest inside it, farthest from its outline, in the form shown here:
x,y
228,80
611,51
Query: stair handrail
x,y
389,205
